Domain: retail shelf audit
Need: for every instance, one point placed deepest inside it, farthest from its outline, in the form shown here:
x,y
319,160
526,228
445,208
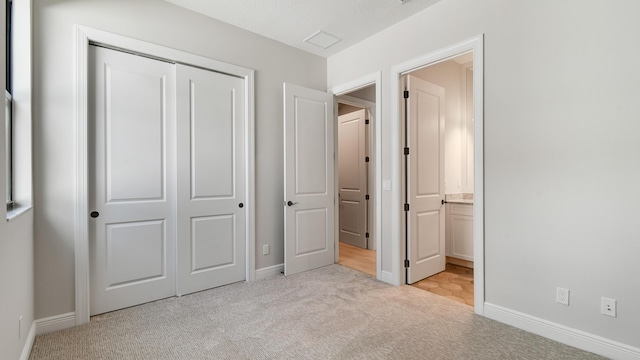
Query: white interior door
x,y
426,121
308,179
352,178
132,229
211,179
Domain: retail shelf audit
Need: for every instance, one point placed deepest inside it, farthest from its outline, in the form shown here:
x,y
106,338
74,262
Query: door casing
x,y
475,45
86,35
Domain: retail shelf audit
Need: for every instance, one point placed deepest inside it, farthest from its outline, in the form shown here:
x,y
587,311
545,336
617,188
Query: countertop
x,y
461,201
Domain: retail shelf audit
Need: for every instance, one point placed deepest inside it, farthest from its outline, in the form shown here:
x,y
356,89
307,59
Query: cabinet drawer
x,y
461,209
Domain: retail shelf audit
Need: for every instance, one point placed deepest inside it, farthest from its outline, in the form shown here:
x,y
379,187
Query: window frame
x,y
9,168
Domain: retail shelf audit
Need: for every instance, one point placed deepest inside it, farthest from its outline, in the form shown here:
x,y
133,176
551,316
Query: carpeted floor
x,y
328,313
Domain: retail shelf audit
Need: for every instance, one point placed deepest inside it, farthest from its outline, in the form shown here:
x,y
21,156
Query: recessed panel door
x,y
132,167
352,179
426,222
308,179
211,179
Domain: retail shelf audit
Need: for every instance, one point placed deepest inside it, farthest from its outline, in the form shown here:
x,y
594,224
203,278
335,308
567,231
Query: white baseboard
x,y
55,323
28,345
564,334
386,277
269,271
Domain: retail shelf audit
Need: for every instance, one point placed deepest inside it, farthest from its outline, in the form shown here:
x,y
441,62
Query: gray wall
x,y
168,25
16,236
561,148
16,276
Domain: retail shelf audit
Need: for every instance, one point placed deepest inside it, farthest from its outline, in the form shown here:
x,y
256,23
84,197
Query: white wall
x,y
561,148
16,279
16,243
168,25
447,75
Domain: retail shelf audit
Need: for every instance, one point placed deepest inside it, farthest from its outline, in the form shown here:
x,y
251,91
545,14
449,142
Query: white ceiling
x,y
292,21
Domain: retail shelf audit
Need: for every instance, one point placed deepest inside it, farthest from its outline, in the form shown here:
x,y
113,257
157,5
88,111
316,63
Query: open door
x,y
425,179
308,179
352,179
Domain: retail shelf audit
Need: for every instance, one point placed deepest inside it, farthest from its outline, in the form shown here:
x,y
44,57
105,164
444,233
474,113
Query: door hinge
x,y
406,151
406,207
406,263
366,159
366,235
366,121
406,94
366,197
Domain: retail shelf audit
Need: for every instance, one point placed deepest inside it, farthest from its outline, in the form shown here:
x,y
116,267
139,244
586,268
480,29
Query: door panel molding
x,y
86,35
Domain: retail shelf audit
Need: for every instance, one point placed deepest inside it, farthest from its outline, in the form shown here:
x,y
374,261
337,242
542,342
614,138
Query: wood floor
x,y
455,283
357,258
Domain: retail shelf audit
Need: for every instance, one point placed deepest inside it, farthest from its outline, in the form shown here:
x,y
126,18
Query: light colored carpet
x,y
328,313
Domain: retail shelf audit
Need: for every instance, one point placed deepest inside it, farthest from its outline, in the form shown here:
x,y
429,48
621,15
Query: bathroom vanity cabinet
x,y
459,230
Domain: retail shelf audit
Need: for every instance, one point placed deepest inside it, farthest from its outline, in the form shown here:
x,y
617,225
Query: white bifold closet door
x,y
133,194
168,179
211,179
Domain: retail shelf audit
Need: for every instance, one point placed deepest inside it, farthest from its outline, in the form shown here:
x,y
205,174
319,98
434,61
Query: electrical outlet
x,y
608,307
562,296
265,249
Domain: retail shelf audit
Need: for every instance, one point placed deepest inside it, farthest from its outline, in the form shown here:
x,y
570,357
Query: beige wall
x,y
161,23
561,148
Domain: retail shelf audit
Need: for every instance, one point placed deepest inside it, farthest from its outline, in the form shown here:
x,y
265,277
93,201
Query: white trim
x,y
376,152
83,36
386,277
28,344
561,333
474,44
269,271
55,323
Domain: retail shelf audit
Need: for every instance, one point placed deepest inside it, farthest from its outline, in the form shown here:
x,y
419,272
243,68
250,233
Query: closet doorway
x,y
168,182
172,218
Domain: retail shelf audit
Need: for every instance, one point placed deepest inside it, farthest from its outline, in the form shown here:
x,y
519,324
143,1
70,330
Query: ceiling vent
x,y
322,39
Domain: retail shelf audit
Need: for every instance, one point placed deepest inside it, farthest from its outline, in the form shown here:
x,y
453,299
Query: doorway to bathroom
x,y
438,168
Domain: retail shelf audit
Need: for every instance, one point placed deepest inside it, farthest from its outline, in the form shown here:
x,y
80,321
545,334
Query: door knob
x,y
241,205
290,203
95,214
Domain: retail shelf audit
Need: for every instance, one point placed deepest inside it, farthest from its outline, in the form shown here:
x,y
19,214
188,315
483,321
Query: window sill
x,y
17,211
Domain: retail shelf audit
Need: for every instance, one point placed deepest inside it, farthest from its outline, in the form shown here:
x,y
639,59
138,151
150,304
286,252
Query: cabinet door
x,y
462,237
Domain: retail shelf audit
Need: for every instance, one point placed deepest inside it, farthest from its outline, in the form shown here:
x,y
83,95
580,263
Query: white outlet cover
x,y
562,296
608,307
386,185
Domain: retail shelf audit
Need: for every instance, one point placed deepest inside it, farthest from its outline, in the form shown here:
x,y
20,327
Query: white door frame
x,y
370,106
85,35
376,156
474,44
